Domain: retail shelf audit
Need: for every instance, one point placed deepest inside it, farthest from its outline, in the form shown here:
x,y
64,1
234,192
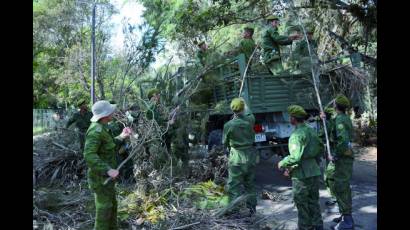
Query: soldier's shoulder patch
x,y
98,129
340,126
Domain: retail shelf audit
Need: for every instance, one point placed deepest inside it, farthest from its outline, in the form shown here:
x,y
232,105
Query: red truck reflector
x,y
258,128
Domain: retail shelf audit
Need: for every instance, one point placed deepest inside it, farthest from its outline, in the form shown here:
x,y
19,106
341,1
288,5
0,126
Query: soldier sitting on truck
x,y
271,42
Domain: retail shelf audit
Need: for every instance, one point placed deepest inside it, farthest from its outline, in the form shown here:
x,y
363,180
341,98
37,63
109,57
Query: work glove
x,y
126,132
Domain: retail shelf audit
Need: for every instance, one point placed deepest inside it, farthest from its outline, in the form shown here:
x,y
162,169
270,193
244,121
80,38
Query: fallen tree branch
x,y
185,226
63,147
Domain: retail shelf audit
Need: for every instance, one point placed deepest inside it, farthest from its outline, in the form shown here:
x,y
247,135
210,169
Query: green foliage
x,y
206,195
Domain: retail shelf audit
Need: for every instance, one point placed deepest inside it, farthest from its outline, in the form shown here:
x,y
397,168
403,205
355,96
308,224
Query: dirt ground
x,y
364,189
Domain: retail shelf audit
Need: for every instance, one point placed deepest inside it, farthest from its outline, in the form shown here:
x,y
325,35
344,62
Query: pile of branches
x,y
348,79
57,158
62,209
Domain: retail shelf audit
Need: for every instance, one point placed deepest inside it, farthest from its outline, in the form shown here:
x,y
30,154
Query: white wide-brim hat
x,y
102,109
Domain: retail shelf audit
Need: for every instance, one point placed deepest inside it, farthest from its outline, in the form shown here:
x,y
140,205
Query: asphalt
x,y
282,214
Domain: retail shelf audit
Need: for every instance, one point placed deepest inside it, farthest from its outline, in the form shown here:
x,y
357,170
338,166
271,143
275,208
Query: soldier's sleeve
x,y
71,120
280,39
225,135
296,148
249,116
150,112
94,162
342,138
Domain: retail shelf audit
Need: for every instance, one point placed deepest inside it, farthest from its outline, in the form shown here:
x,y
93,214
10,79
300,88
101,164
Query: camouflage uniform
x,y
330,127
238,135
339,172
99,154
202,57
271,42
302,54
246,46
82,122
305,149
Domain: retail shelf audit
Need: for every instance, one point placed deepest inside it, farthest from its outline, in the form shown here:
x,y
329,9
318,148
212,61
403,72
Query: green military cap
x,y
237,104
297,111
342,100
329,110
248,28
151,92
272,17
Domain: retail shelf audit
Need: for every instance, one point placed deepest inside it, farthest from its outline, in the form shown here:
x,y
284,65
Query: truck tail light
x,y
258,128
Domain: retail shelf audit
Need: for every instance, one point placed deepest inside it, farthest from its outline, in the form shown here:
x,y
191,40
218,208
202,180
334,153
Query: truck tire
x,y
214,139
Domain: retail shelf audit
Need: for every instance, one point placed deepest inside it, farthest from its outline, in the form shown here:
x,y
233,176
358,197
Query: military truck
x,y
268,97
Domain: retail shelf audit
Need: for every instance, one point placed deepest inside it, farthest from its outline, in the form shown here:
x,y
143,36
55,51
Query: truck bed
x,y
267,93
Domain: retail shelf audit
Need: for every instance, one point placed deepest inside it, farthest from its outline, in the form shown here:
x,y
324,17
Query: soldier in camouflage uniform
x,y
305,150
340,170
247,44
271,42
82,121
330,126
202,53
238,136
302,51
99,154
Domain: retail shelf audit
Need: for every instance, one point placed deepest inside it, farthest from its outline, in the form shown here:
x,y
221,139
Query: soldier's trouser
x,y
329,172
242,174
105,208
306,198
275,66
81,139
339,175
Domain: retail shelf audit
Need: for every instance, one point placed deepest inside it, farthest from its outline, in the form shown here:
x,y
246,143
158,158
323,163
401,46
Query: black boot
x,y
347,223
337,219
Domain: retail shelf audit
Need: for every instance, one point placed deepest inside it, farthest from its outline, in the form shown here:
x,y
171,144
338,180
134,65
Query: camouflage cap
x,y
272,17
248,28
151,92
342,100
329,110
237,104
297,111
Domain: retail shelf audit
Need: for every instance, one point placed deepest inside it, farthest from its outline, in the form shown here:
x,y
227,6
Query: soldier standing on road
x,y
82,121
238,136
302,163
341,169
99,154
330,126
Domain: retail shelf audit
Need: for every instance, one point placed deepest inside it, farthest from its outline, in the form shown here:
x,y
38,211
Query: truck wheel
x,y
214,139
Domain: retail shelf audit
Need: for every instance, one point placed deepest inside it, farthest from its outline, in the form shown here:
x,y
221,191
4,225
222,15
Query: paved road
x,y
283,215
